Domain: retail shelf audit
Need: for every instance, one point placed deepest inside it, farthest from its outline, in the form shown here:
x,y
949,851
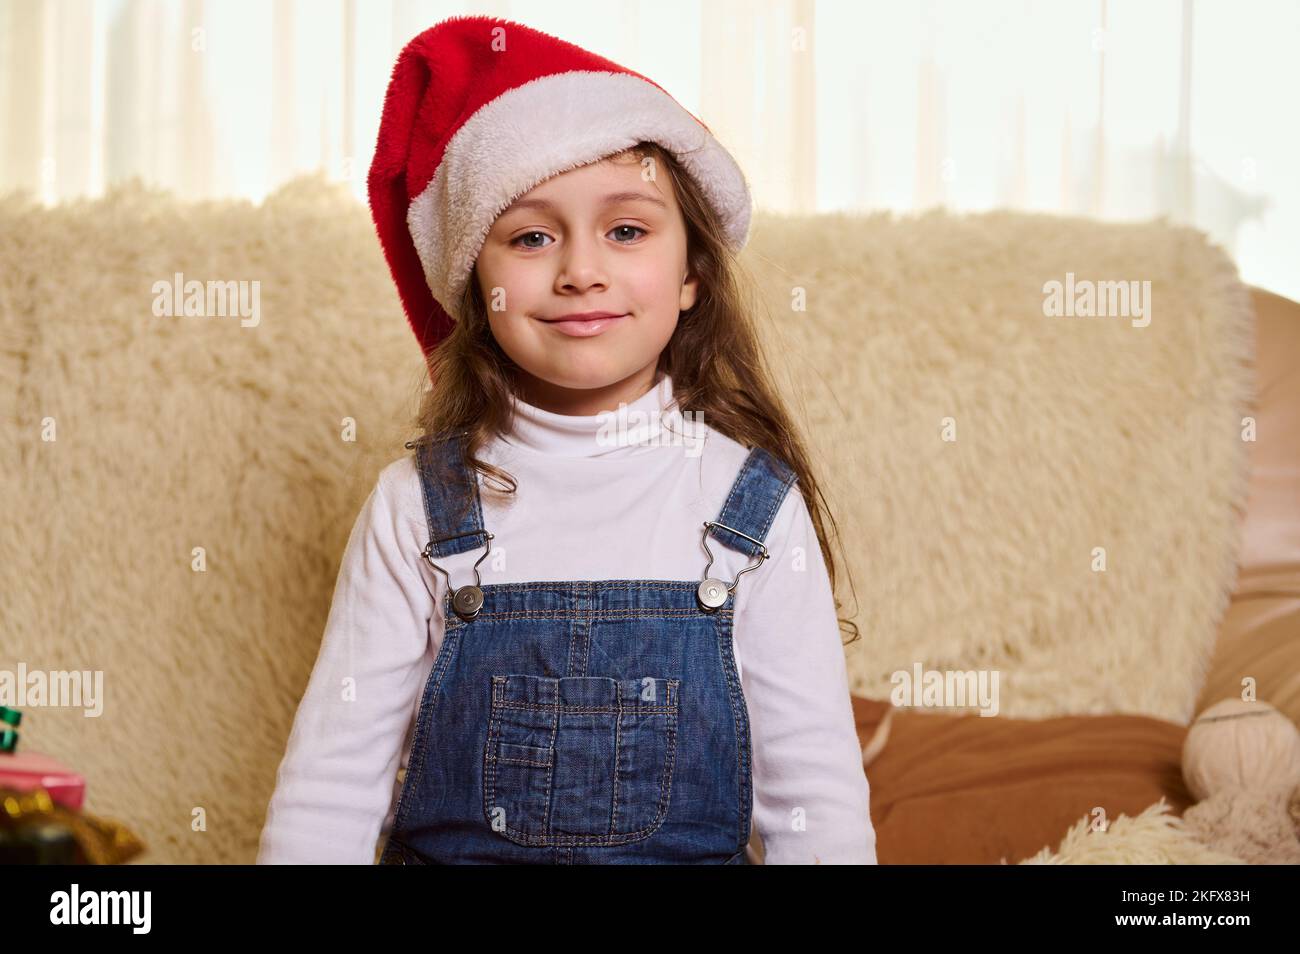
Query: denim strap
x,y
451,501
755,498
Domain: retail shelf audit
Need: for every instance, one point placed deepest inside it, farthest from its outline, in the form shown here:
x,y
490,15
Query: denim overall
x,y
581,722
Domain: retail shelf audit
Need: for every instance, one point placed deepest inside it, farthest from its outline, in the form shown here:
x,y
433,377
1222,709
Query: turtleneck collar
x,y
631,429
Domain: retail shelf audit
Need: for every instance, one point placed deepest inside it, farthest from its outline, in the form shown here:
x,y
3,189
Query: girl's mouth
x,y
586,328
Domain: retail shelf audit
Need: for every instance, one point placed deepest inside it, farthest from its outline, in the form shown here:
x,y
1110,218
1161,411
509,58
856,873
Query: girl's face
x,y
598,238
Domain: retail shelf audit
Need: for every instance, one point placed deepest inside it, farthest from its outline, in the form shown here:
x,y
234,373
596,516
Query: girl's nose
x,y
580,267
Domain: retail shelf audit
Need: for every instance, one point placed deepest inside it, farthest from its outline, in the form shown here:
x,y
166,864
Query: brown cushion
x,y
972,790
1259,636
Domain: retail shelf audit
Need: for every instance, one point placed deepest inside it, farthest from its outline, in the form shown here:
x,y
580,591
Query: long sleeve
x,y
334,786
811,796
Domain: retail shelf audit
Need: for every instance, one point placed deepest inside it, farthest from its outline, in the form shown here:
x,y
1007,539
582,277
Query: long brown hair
x,y
714,357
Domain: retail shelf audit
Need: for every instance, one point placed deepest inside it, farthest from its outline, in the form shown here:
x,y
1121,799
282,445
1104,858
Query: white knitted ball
x,y
1240,744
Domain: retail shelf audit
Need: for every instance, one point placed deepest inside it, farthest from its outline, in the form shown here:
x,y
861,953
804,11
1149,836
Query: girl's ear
x,y
689,292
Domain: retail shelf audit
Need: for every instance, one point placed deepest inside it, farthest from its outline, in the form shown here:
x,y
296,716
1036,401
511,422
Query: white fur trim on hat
x,y
511,144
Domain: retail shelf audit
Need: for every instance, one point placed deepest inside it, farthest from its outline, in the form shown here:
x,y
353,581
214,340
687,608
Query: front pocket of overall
x,y
579,760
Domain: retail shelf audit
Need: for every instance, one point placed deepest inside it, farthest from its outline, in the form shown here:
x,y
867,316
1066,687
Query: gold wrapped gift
x,y
30,820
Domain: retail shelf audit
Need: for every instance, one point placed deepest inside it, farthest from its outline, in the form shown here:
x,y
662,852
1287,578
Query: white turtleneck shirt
x,y
595,501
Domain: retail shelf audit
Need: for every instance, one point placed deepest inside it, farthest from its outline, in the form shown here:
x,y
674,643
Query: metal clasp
x,y
468,599
712,593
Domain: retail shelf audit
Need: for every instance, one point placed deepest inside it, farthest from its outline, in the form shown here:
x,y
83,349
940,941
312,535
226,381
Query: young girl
x,y
543,611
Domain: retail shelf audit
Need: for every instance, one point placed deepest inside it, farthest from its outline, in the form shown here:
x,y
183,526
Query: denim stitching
x,y
550,774
606,615
618,751
415,765
490,760
582,710
568,585
737,698
580,650
476,503
573,640
452,620
509,761
737,487
430,511
547,839
739,482
489,767
552,685
777,499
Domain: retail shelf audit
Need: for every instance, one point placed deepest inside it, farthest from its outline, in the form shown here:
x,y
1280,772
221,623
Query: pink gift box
x,y
25,771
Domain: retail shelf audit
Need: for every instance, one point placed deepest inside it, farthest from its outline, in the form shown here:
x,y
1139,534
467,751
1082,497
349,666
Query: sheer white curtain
x,y
1110,109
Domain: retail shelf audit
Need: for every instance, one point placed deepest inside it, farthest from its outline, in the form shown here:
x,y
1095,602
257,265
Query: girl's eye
x,y
520,238
634,228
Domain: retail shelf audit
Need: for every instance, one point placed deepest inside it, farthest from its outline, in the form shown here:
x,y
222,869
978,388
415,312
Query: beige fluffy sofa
x,y
1066,501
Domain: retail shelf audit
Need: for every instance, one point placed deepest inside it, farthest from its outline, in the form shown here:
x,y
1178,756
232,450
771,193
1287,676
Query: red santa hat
x,y
478,111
